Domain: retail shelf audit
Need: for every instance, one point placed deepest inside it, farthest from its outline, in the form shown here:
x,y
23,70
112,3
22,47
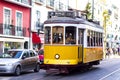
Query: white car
x,y
19,60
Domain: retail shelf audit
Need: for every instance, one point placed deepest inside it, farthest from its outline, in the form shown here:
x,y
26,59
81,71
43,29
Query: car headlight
x,y
57,56
9,64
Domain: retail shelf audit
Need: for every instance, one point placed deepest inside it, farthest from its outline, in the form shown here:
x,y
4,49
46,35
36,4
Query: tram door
x,y
80,43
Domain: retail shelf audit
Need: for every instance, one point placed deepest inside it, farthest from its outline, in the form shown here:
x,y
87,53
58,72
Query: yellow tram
x,y
71,42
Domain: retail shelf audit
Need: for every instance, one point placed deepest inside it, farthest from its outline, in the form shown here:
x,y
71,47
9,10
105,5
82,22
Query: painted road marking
x,y
109,74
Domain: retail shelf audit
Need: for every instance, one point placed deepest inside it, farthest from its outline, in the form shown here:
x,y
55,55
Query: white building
x,y
39,14
112,32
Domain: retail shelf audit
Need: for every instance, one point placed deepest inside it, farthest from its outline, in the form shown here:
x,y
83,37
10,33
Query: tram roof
x,y
83,21
61,20
69,20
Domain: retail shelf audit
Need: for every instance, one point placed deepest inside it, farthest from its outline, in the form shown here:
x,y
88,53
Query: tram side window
x,y
57,33
91,38
94,38
80,36
98,37
101,40
47,35
70,35
88,38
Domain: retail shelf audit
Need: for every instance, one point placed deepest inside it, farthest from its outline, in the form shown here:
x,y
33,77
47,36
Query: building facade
x,y
39,14
109,20
40,9
15,24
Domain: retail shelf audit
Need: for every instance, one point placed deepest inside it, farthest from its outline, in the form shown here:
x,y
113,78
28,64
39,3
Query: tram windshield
x,y
70,35
57,35
47,35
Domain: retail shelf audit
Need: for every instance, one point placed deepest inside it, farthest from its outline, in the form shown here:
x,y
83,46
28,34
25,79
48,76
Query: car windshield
x,y
11,54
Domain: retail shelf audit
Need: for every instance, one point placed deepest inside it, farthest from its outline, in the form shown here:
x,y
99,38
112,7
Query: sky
x,y
116,2
80,6
83,3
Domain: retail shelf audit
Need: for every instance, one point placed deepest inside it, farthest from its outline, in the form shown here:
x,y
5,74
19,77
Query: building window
x,y
41,1
61,6
19,31
38,24
50,3
24,1
18,0
7,16
7,22
19,19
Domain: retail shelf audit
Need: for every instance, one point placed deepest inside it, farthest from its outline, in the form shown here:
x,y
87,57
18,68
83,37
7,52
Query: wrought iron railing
x,y
7,29
41,1
28,2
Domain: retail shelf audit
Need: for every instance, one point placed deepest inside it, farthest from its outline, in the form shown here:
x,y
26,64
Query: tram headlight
x,y
57,56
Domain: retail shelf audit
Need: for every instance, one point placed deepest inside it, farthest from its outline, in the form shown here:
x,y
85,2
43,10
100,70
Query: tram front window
x,y
57,37
70,35
47,35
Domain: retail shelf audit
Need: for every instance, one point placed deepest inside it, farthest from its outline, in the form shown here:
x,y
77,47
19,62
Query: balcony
x,y
39,2
6,29
50,4
25,3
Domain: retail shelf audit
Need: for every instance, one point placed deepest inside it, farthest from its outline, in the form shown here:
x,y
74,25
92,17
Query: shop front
x,y
12,43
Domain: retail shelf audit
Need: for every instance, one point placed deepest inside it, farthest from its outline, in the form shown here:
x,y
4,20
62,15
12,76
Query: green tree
x,y
106,14
88,11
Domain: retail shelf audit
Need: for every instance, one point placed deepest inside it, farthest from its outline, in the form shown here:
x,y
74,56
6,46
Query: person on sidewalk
x,y
119,51
108,52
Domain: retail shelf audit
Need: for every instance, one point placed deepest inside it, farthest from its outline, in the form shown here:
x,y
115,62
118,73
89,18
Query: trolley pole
x,y
92,9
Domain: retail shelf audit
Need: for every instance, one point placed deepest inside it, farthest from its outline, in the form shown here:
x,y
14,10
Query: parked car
x,y
41,56
19,60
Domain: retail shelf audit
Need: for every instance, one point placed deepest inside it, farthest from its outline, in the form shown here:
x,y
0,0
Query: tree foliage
x,y
106,14
88,10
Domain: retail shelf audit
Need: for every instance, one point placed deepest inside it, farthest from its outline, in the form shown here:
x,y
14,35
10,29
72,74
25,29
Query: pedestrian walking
x,y
108,52
119,51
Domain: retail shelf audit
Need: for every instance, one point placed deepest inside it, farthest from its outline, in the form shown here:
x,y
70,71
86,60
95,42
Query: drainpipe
x,y
30,32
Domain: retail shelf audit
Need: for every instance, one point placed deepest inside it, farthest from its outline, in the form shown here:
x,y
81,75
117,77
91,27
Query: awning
x,y
11,39
35,38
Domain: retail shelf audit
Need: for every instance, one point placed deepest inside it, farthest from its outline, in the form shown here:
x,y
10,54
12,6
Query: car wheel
x,y
17,71
37,68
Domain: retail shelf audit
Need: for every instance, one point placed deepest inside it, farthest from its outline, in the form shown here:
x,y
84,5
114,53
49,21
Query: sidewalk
x,y
113,56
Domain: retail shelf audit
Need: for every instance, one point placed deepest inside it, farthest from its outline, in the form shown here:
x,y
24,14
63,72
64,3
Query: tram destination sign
x,y
61,14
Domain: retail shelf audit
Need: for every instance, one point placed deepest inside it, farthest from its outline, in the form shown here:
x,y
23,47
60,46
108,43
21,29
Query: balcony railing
x,y
39,1
6,29
25,3
50,4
